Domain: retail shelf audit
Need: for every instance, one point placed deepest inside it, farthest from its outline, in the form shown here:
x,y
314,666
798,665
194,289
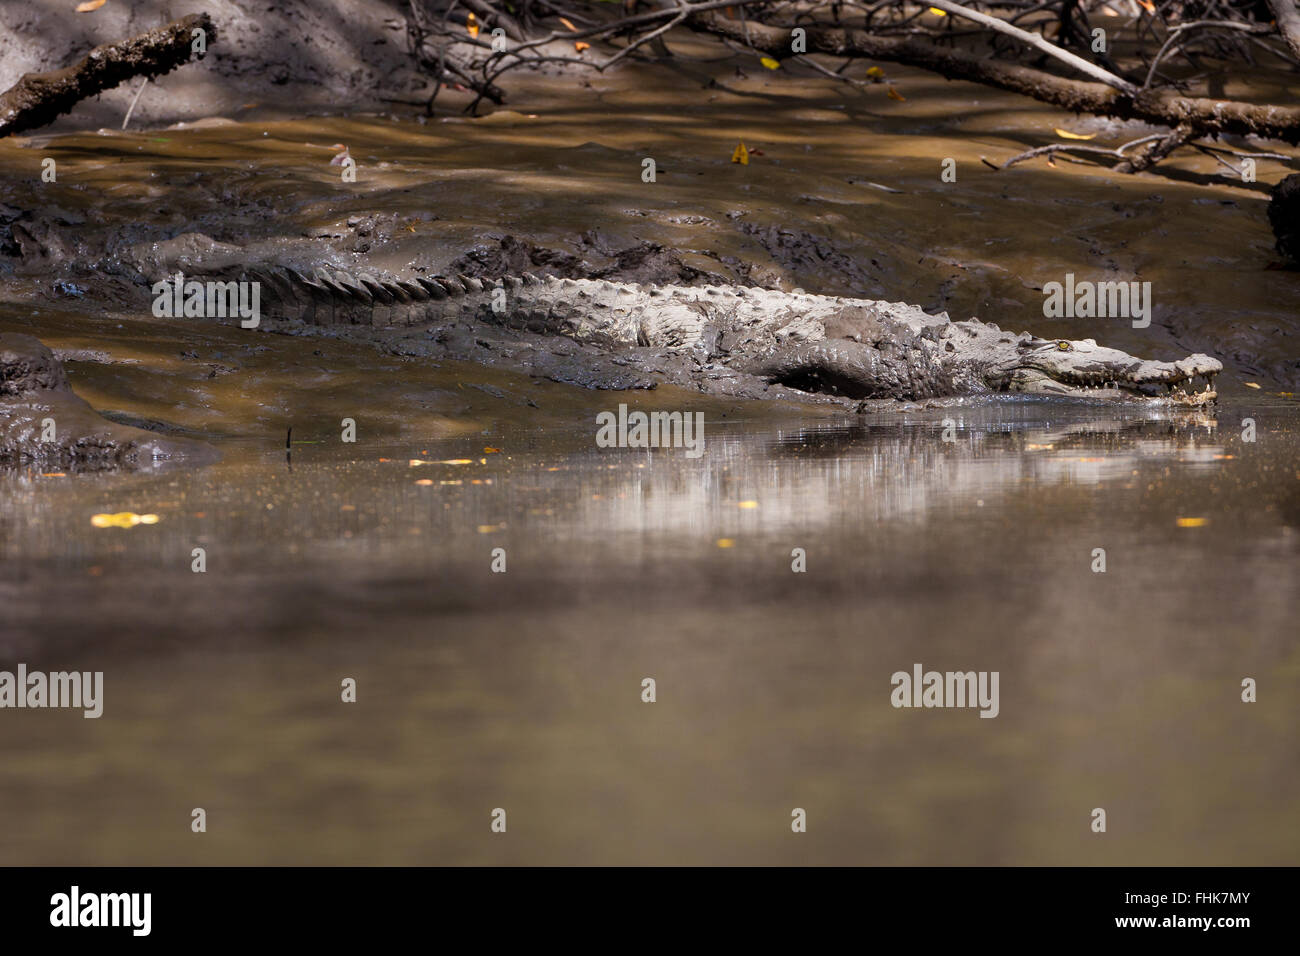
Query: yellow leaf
x,y
580,46
471,24
876,73
725,542
568,24
424,481
90,5
1066,134
122,519
740,154
1250,384
747,504
770,63
1192,522
938,13
1148,6
895,95
450,461
489,450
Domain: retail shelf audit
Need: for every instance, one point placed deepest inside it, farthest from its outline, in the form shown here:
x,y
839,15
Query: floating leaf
x,y
725,542
876,73
1066,134
471,25
566,22
489,450
1251,384
895,95
938,13
122,519
770,63
1148,6
424,481
90,5
1192,522
740,154
747,504
580,46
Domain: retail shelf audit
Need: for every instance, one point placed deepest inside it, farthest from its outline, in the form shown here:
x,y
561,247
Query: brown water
x,y
522,690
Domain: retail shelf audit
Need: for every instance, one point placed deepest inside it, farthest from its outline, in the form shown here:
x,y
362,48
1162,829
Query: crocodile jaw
x,y
1084,369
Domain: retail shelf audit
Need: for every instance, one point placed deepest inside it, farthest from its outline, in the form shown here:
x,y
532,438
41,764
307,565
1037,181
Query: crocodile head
x,y
1085,369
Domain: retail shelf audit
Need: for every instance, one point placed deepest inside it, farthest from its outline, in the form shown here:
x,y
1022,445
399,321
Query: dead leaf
x,y
938,13
90,5
876,73
580,46
1192,522
122,519
566,22
770,63
895,95
740,154
471,25
489,450
1066,134
1251,384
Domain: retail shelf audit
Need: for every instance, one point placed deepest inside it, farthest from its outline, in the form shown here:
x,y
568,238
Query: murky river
x,y
522,690
479,689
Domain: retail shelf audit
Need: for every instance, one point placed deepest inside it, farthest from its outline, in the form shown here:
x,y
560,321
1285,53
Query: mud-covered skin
x,y
730,340
34,388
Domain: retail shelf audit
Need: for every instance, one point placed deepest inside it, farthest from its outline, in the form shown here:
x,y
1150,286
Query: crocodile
x,y
728,339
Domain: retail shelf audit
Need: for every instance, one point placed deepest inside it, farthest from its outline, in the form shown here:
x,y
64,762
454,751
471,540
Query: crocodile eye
x,y
1063,346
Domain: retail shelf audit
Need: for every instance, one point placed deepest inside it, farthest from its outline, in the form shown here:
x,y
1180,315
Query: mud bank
x,y
42,422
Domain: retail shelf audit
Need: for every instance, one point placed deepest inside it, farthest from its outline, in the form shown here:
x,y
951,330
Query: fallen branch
x,y
40,98
1161,107
1158,150
1288,22
1036,41
1049,151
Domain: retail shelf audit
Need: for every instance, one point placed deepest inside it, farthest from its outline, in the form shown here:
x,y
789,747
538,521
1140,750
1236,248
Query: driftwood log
x,y
40,98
